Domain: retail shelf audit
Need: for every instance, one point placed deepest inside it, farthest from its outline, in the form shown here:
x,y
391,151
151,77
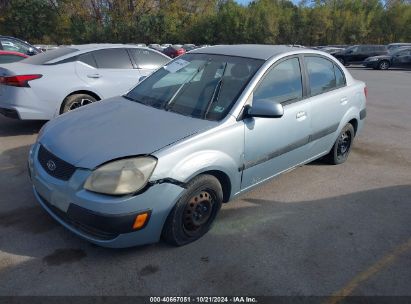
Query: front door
x,y
273,145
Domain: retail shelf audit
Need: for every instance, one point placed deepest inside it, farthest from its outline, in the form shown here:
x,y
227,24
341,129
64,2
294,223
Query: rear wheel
x,y
342,146
75,101
195,211
384,65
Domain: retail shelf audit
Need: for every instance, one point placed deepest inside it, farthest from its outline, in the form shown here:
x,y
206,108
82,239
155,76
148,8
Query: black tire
x,y
75,101
384,65
342,146
194,213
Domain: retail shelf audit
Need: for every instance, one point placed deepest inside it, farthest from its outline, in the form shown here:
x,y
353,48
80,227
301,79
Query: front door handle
x,y
94,76
344,101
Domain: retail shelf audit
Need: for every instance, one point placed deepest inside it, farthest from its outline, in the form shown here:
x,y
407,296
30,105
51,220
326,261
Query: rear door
x,y
273,145
109,71
329,101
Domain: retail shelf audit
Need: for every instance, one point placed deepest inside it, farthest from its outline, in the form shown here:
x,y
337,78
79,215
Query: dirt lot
x,y
318,230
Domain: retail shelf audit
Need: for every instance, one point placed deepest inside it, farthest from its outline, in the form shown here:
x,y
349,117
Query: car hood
x,y
115,128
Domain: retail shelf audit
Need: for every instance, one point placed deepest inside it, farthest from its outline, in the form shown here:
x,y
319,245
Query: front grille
x,y
55,166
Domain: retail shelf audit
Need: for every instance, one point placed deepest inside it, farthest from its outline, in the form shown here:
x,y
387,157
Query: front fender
x,y
200,162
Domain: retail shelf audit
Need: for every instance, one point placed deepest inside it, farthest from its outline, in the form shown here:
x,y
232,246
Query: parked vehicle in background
x,y
358,53
332,50
392,46
46,47
156,47
189,47
8,57
61,80
13,44
174,51
400,57
278,108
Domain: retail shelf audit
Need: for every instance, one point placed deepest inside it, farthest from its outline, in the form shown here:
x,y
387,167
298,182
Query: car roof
x,y
95,46
256,51
84,48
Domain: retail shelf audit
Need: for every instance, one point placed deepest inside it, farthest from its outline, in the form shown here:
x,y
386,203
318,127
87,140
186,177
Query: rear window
x,y
45,57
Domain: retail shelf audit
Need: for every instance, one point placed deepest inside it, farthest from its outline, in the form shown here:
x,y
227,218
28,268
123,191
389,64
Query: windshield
x,y
198,85
45,57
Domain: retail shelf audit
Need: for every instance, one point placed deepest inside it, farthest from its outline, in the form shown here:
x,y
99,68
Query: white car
x,y
48,84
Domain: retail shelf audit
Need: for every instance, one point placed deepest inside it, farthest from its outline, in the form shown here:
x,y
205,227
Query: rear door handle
x,y
344,101
301,115
94,76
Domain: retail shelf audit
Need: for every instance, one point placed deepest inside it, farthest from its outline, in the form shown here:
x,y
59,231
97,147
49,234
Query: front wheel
x,y
194,212
342,146
384,65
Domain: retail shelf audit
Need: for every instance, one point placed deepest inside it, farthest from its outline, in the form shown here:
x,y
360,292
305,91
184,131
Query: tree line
x,y
317,22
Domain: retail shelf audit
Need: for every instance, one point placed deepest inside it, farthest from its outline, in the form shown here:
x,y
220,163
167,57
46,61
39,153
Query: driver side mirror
x,y
265,108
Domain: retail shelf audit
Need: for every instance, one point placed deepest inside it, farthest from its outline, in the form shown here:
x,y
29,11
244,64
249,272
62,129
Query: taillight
x,y
19,80
366,92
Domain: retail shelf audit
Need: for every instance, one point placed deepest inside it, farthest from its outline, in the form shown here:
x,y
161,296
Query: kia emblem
x,y
51,165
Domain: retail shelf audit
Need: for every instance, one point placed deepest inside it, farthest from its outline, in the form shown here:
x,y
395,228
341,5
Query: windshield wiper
x,y
131,98
169,103
216,92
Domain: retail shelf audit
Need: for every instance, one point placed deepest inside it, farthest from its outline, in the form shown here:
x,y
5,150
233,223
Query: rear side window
x,y
146,59
112,59
282,83
87,58
339,77
321,74
10,58
44,58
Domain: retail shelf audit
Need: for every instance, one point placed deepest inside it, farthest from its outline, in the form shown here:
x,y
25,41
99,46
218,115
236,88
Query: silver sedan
x,y
205,128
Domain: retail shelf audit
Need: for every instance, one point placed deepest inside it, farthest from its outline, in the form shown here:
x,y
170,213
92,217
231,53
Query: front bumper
x,y
101,219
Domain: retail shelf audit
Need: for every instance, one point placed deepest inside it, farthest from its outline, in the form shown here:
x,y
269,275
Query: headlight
x,y
123,176
373,59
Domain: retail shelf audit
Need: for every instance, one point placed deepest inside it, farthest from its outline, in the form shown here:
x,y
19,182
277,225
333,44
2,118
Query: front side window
x,y
146,59
321,74
112,59
198,85
282,84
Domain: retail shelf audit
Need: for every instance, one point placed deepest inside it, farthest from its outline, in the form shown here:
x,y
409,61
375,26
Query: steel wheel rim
x,y
198,212
344,144
80,103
